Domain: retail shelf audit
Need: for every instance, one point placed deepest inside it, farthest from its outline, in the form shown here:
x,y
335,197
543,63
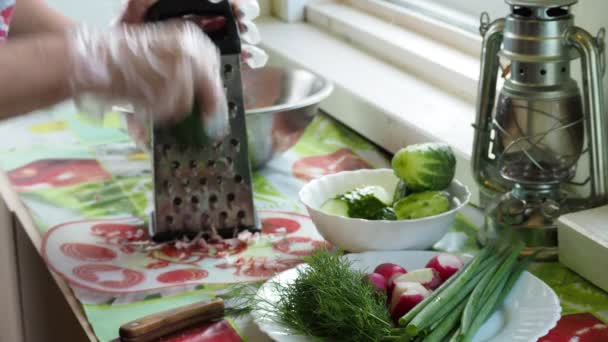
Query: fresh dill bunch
x,y
329,299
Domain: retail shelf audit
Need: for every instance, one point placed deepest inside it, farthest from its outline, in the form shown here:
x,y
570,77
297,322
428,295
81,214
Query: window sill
x,y
380,101
420,48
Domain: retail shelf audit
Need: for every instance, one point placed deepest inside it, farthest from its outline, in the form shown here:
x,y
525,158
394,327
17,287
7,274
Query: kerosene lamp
x,y
533,144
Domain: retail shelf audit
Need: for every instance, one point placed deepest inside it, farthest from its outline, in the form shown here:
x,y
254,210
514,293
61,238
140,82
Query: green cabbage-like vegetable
x,y
421,204
425,167
370,202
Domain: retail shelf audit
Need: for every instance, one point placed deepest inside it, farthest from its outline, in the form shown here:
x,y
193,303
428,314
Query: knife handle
x,y
154,326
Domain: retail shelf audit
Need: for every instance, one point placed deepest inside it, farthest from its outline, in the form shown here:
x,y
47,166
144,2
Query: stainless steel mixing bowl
x,y
279,104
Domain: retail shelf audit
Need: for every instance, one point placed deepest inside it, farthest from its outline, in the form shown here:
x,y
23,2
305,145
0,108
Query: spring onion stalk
x,y
453,303
506,266
480,258
450,292
397,335
396,338
485,311
404,321
513,278
472,305
439,333
455,336
484,267
495,291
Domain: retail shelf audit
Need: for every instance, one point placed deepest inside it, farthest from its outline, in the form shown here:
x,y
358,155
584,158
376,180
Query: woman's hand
x,y
158,68
244,10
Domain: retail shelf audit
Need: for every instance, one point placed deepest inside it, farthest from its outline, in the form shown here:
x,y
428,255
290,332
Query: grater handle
x,y
227,39
191,131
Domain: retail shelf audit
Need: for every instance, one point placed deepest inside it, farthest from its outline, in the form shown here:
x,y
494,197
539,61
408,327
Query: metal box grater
x,y
202,187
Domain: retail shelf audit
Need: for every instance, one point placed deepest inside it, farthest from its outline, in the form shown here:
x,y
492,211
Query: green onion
x,y
514,277
494,289
506,266
455,336
446,309
448,323
449,306
407,318
451,291
472,305
397,334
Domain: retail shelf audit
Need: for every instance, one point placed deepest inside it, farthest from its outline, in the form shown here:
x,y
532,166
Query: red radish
x,y
426,277
390,283
406,296
435,282
388,270
378,281
445,264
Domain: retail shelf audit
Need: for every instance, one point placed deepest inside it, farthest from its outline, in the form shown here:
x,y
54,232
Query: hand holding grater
x,y
202,187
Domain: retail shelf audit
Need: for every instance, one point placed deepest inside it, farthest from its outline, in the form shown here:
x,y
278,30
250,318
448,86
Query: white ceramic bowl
x,y
358,235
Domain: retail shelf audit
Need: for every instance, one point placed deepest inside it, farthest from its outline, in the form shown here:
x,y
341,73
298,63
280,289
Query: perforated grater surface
x,y
203,187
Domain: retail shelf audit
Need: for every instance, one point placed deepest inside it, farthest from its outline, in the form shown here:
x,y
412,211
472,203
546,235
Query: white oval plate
x,y
530,311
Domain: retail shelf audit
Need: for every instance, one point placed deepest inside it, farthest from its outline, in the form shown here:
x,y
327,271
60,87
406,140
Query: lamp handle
x,y
486,92
597,120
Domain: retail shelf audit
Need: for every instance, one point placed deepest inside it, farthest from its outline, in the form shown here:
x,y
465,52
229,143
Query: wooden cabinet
x,y
33,308
11,325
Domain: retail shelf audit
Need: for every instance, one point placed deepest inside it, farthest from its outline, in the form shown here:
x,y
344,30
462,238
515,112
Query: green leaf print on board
x,y
576,294
265,195
325,135
91,200
139,190
261,186
94,131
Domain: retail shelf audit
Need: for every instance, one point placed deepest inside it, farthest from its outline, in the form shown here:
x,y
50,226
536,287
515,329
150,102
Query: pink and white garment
x,y
6,13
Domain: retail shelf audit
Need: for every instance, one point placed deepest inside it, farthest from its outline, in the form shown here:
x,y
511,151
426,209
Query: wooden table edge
x,y
16,206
